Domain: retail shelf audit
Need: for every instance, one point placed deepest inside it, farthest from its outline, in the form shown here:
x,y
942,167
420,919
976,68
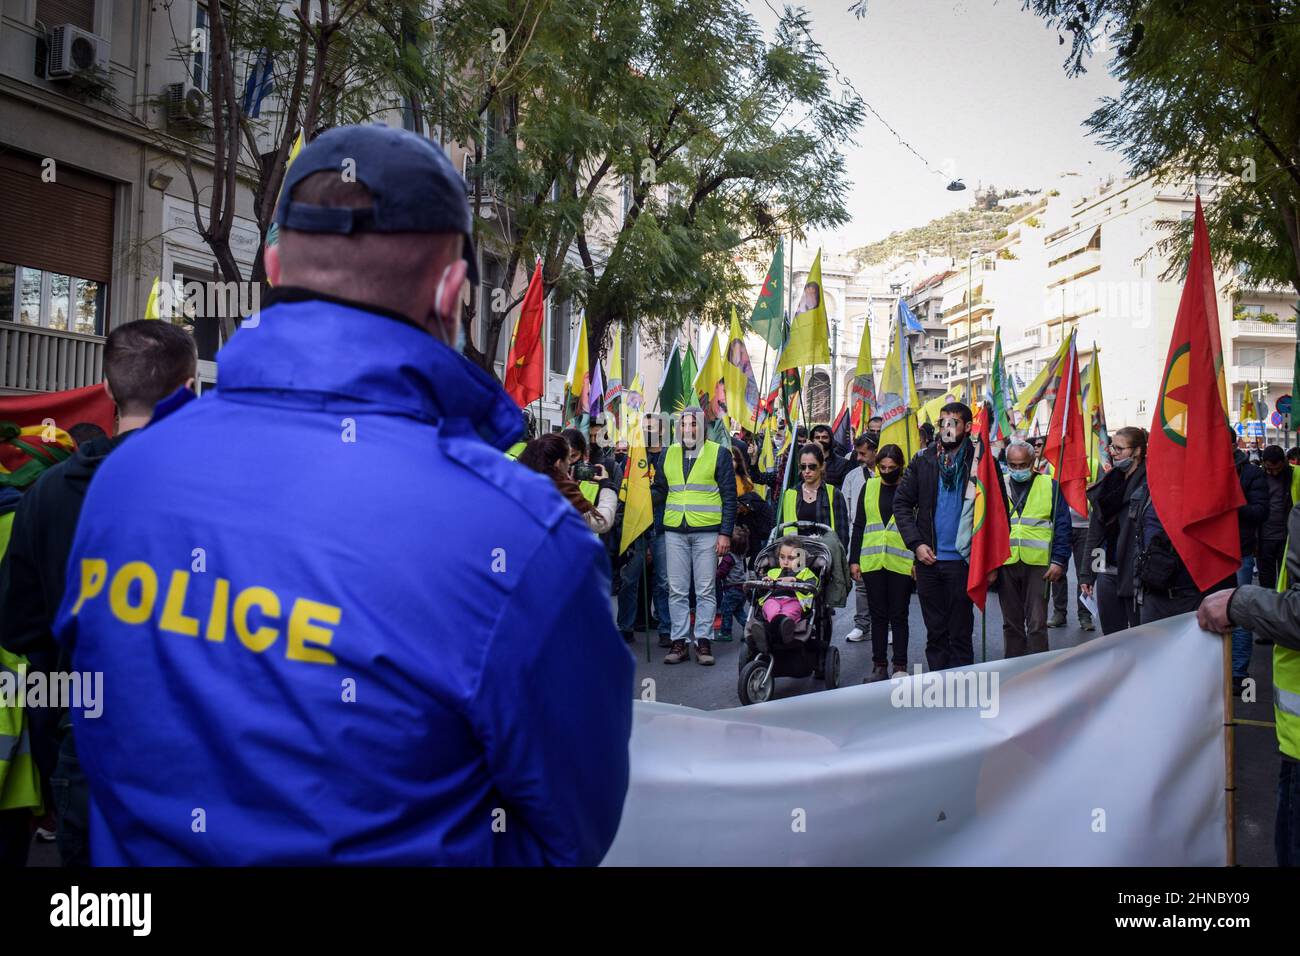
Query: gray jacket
x,y
1265,611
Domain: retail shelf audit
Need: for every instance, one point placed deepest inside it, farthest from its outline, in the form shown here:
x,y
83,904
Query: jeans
x,y
1117,613
71,804
1061,588
862,609
1243,641
890,594
692,557
948,613
1023,601
1286,833
732,605
1158,605
629,591
659,552
1269,560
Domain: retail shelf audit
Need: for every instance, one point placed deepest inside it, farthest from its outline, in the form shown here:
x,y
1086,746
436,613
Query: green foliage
x,y
715,139
1209,90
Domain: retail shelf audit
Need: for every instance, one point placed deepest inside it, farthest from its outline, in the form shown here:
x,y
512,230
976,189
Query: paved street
x,y
714,688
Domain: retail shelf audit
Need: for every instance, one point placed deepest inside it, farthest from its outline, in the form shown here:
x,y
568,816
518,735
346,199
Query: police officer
x,y
350,637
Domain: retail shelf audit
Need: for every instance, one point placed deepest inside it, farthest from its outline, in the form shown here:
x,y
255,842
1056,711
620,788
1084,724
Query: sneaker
x,y
703,652
1086,623
679,653
665,640
855,636
878,673
1058,620
44,835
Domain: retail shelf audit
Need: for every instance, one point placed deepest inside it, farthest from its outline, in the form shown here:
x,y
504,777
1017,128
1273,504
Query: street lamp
x,y
969,328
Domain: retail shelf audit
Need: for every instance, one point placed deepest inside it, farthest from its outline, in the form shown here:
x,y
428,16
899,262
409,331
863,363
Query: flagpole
x,y
645,590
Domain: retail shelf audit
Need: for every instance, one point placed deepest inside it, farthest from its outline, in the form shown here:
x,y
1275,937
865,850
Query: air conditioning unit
x,y
186,106
74,51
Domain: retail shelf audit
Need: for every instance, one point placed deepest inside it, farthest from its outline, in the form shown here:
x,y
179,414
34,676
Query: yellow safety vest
x,y
805,574
20,784
1031,529
590,490
790,508
695,499
882,545
515,450
1286,669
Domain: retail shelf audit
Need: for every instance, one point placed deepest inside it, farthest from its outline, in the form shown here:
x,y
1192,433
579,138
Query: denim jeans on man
x,y
1243,641
631,584
692,556
659,549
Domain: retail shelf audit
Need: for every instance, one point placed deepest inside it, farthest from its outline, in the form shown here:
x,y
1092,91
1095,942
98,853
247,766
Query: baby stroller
x,y
763,659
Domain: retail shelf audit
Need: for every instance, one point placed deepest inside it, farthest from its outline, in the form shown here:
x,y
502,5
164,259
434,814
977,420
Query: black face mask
x,y
890,478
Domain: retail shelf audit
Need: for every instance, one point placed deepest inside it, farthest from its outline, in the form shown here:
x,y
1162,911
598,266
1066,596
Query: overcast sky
x,y
975,86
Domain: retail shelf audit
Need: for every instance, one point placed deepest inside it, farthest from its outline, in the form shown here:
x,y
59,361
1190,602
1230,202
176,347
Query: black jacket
x,y
826,505
1252,515
1273,530
1114,503
32,574
918,493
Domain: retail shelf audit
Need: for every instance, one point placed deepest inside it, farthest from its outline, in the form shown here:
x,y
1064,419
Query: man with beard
x,y
928,509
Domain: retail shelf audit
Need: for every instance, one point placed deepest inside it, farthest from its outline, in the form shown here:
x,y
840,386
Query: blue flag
x,y
258,85
910,322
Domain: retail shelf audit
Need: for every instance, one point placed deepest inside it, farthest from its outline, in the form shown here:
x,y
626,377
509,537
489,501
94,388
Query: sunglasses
x,y
809,467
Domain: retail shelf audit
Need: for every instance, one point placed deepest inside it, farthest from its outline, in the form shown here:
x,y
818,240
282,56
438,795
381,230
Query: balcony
x,y
1273,374
1253,328
33,359
928,355
978,337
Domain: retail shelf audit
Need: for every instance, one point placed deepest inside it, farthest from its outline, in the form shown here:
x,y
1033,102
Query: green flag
x,y
769,310
673,389
690,372
1000,424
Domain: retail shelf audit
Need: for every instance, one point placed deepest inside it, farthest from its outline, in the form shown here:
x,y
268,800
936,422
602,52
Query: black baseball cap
x,y
416,188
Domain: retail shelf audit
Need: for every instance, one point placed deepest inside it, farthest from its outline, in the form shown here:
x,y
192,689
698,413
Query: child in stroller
x,y
789,629
783,611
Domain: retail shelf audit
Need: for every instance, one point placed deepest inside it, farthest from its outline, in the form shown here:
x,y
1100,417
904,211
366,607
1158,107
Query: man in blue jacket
x,y
343,627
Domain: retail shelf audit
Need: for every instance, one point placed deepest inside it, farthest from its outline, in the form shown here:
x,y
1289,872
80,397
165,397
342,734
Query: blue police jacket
x,y
336,624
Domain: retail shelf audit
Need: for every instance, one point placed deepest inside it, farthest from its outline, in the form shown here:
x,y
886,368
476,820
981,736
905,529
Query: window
x,y
192,314
1250,356
80,13
1254,311
561,334
200,66
52,300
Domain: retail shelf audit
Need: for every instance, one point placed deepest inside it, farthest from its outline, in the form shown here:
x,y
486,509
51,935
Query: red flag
x,y
64,409
990,543
1066,449
524,364
1190,468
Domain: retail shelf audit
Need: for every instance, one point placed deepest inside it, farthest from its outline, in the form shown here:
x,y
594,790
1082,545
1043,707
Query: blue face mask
x,y
1021,474
459,345
1124,464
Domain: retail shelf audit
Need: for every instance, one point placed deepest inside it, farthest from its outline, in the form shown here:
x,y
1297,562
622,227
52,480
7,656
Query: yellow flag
x,y
738,374
578,381
1248,413
767,455
151,306
706,382
1044,383
930,410
638,512
898,403
273,233
809,342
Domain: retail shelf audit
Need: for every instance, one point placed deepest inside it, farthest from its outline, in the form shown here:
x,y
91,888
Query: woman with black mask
x,y
879,558
1115,502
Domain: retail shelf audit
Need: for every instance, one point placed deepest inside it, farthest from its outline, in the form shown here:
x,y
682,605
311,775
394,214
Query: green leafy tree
x,y
643,149
1211,88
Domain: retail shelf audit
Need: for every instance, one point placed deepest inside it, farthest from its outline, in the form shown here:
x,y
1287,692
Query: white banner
x,y
1106,754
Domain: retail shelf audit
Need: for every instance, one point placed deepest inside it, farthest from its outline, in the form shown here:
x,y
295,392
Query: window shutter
x,y
65,226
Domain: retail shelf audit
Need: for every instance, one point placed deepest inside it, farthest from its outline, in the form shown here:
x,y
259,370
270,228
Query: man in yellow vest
x,y
1040,551
697,484
1274,615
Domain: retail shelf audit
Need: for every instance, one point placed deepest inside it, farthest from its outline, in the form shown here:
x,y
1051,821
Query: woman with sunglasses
x,y
813,499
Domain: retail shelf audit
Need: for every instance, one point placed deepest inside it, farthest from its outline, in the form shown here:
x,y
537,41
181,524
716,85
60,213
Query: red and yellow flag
x,y
524,365
990,543
1190,468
